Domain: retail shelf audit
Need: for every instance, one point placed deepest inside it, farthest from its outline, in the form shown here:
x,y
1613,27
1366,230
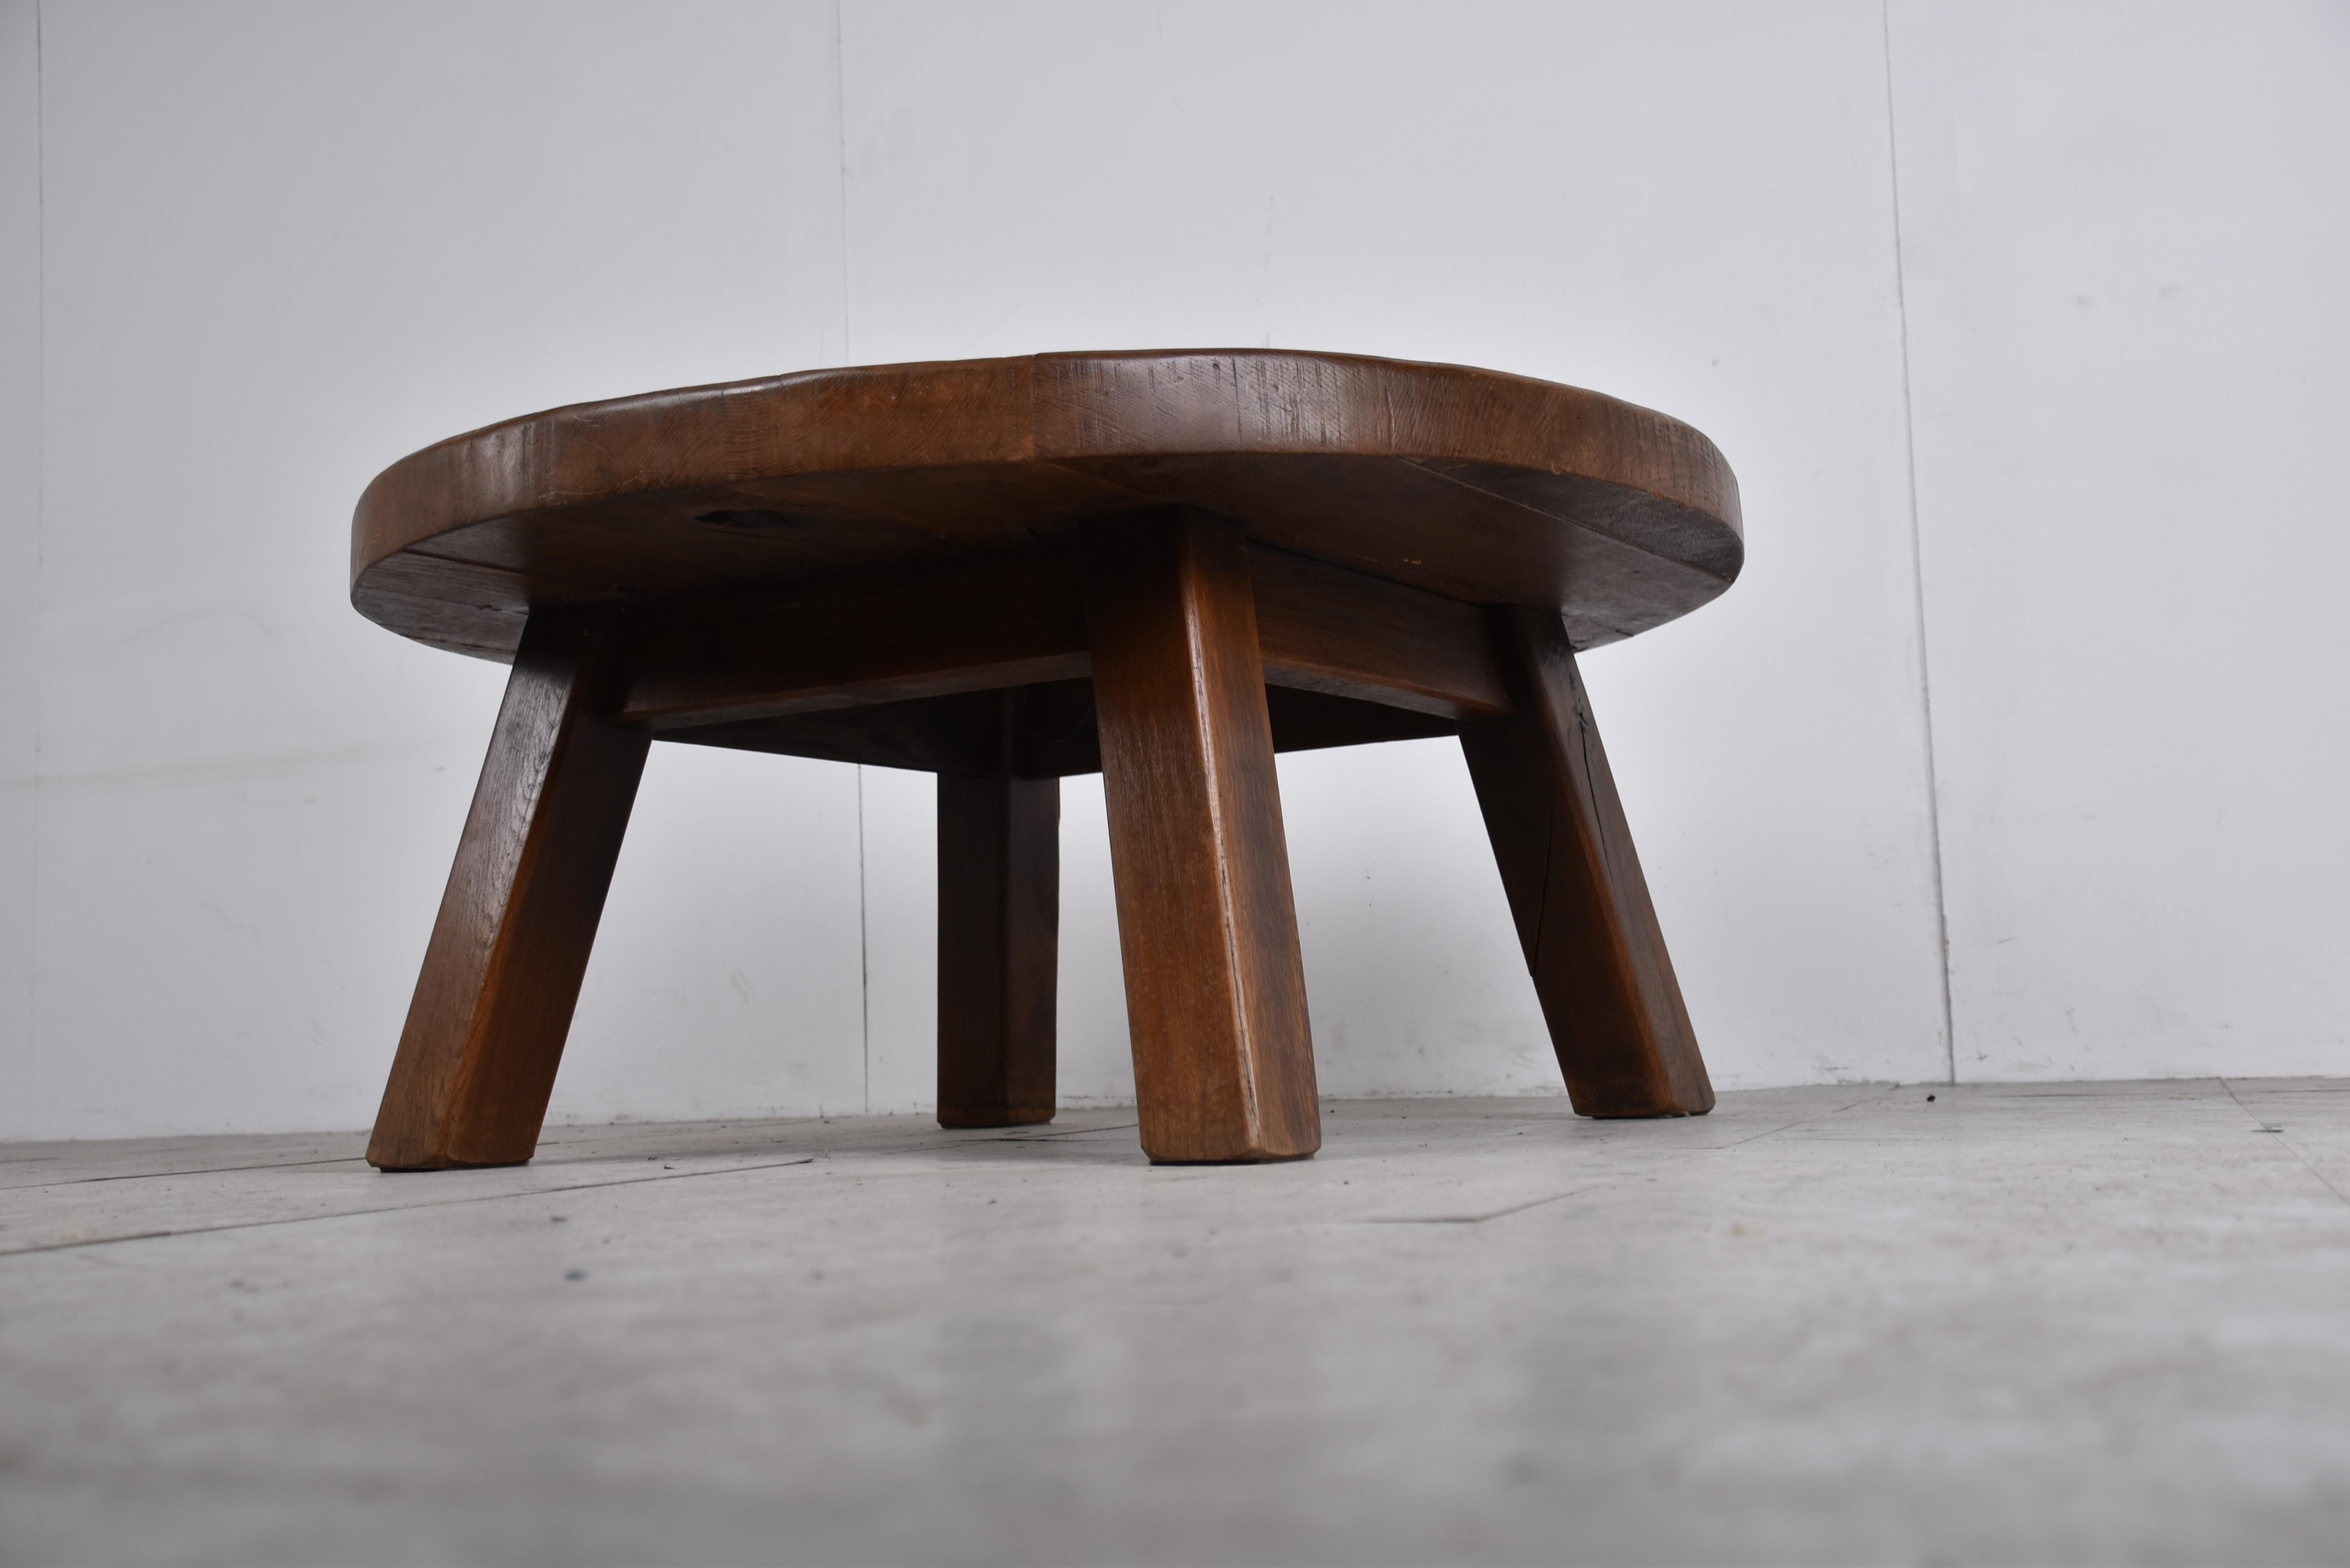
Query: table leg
x,y
1215,989
1583,917
476,1060
999,948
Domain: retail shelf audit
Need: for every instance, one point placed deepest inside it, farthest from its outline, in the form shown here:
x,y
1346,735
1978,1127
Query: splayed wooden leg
x,y
1216,988
477,1059
1575,886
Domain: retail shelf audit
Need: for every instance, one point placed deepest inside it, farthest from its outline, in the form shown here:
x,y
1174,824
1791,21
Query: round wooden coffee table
x,y
1167,567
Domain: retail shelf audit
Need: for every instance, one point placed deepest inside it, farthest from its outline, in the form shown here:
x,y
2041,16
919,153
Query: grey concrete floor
x,y
2080,1323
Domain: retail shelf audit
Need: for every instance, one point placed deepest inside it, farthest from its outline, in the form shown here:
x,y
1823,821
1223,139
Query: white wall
x,y
283,244
1690,208
20,511
2126,234
264,250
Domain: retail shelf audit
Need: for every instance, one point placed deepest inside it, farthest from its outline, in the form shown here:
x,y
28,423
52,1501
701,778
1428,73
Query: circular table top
x,y
1489,488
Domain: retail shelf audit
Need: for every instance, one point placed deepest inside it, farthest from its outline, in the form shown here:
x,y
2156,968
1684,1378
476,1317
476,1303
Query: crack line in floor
x,y
165,1175
1617,1181
2289,1144
1056,1132
1496,1214
393,1208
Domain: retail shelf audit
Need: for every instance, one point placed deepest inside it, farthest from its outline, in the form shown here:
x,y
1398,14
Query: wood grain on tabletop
x,y
1163,566
1479,486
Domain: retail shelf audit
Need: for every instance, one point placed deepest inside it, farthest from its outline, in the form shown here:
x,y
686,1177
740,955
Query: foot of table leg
x,y
1215,989
1583,911
501,973
999,946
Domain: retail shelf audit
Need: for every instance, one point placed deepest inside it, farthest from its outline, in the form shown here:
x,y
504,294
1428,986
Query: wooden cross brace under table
x,y
1163,566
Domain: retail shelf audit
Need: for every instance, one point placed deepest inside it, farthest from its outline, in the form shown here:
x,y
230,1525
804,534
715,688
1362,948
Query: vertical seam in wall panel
x,y
40,526
1917,556
864,933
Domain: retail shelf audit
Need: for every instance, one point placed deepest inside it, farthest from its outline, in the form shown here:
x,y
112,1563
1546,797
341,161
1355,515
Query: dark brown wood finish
x,y
723,663
1053,738
1216,988
1482,487
501,973
1343,633
1582,906
999,941
1163,566
1006,621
